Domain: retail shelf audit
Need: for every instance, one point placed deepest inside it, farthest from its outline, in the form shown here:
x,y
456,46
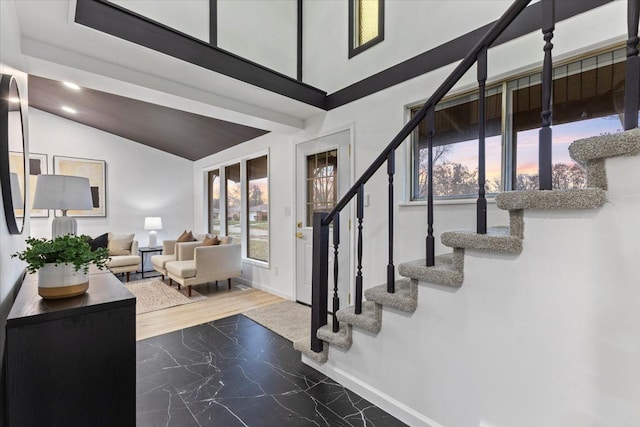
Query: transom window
x,y
366,24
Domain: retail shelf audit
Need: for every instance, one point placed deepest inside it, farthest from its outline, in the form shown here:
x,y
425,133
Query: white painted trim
x,y
350,127
452,201
264,288
373,395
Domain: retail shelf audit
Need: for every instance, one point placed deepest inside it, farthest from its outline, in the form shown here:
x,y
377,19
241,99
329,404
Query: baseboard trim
x,y
264,288
373,395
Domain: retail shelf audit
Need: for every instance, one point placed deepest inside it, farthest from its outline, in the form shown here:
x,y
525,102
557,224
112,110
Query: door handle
x,y
299,235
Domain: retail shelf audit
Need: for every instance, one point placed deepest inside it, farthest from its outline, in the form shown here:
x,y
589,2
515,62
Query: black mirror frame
x,y
5,181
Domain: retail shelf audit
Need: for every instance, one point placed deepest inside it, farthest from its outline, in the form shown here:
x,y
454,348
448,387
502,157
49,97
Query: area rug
x,y
288,319
152,295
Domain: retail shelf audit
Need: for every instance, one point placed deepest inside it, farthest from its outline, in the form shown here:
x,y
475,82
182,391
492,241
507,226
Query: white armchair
x,y
172,251
208,264
123,259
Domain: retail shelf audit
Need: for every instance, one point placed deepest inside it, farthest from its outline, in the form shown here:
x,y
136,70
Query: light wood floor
x,y
219,303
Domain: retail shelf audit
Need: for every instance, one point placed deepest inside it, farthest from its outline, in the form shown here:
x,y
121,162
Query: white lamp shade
x,y
62,192
153,223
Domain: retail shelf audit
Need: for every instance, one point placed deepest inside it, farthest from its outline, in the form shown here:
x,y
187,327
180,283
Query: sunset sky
x,y
527,155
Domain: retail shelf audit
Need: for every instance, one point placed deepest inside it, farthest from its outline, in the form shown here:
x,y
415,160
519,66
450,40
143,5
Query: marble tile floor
x,y
235,372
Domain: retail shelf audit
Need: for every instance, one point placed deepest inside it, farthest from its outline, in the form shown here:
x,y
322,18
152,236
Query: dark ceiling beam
x,y
106,17
119,22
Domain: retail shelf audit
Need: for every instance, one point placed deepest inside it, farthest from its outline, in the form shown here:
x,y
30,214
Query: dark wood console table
x,y
72,362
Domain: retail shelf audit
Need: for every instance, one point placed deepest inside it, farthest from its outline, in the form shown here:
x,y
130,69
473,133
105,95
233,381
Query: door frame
x,y
349,209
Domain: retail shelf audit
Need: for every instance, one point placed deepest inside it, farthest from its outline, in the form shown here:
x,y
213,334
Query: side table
x,y
143,251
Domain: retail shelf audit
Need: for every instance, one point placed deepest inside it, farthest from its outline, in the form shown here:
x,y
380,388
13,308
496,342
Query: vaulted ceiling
x,y
141,94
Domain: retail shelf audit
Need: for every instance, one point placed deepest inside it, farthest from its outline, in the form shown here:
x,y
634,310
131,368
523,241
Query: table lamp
x,y
153,223
63,192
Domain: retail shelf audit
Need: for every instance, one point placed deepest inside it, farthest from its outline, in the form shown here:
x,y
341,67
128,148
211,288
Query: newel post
x,y
319,278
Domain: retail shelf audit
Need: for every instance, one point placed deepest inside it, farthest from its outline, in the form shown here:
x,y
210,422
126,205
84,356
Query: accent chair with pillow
x,y
171,250
123,254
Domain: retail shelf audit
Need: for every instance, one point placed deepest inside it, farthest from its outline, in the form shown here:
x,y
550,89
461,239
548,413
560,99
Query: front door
x,y
322,178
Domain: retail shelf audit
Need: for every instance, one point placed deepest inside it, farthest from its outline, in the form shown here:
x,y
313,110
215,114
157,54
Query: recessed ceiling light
x,y
14,99
71,85
69,109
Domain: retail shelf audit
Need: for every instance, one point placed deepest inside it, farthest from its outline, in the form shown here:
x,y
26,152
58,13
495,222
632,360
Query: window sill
x,y
452,201
255,262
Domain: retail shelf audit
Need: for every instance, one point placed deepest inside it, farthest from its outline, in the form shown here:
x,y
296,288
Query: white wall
x,y
141,181
411,28
188,16
261,31
278,276
547,338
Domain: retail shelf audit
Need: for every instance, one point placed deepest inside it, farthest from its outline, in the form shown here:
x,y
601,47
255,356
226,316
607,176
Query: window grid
x,y
587,95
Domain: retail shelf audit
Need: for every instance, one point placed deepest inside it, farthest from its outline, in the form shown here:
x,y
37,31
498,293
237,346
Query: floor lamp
x,y
63,192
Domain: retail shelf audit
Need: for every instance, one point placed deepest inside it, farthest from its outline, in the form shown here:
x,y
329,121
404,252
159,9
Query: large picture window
x,y
588,96
366,24
238,205
588,99
233,193
455,148
214,201
258,209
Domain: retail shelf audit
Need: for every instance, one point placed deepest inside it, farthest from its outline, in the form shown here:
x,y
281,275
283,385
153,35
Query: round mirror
x,y
12,159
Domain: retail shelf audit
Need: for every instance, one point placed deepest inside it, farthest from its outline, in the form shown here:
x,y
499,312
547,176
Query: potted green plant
x,y
62,264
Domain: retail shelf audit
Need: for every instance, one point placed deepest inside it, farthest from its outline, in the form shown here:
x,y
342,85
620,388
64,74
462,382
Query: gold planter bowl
x,y
61,281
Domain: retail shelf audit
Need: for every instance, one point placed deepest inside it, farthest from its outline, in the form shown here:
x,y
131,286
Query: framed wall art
x,y
38,165
96,171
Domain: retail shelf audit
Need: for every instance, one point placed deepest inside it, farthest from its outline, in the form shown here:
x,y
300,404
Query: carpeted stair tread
x,y
342,339
405,297
497,239
303,345
604,146
581,198
447,271
592,152
370,319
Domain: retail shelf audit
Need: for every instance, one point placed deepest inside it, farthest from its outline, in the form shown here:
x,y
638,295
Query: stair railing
x,y
477,55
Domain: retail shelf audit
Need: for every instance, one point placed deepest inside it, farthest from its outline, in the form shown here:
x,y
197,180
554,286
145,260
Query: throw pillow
x,y
201,237
120,244
102,241
211,241
226,240
186,236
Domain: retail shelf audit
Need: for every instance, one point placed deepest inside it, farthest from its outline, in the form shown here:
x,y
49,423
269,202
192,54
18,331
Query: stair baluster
x,y
545,135
391,275
481,208
319,278
632,82
431,126
359,215
336,243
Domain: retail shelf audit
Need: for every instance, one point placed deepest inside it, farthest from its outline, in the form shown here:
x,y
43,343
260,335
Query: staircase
x,y
449,268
